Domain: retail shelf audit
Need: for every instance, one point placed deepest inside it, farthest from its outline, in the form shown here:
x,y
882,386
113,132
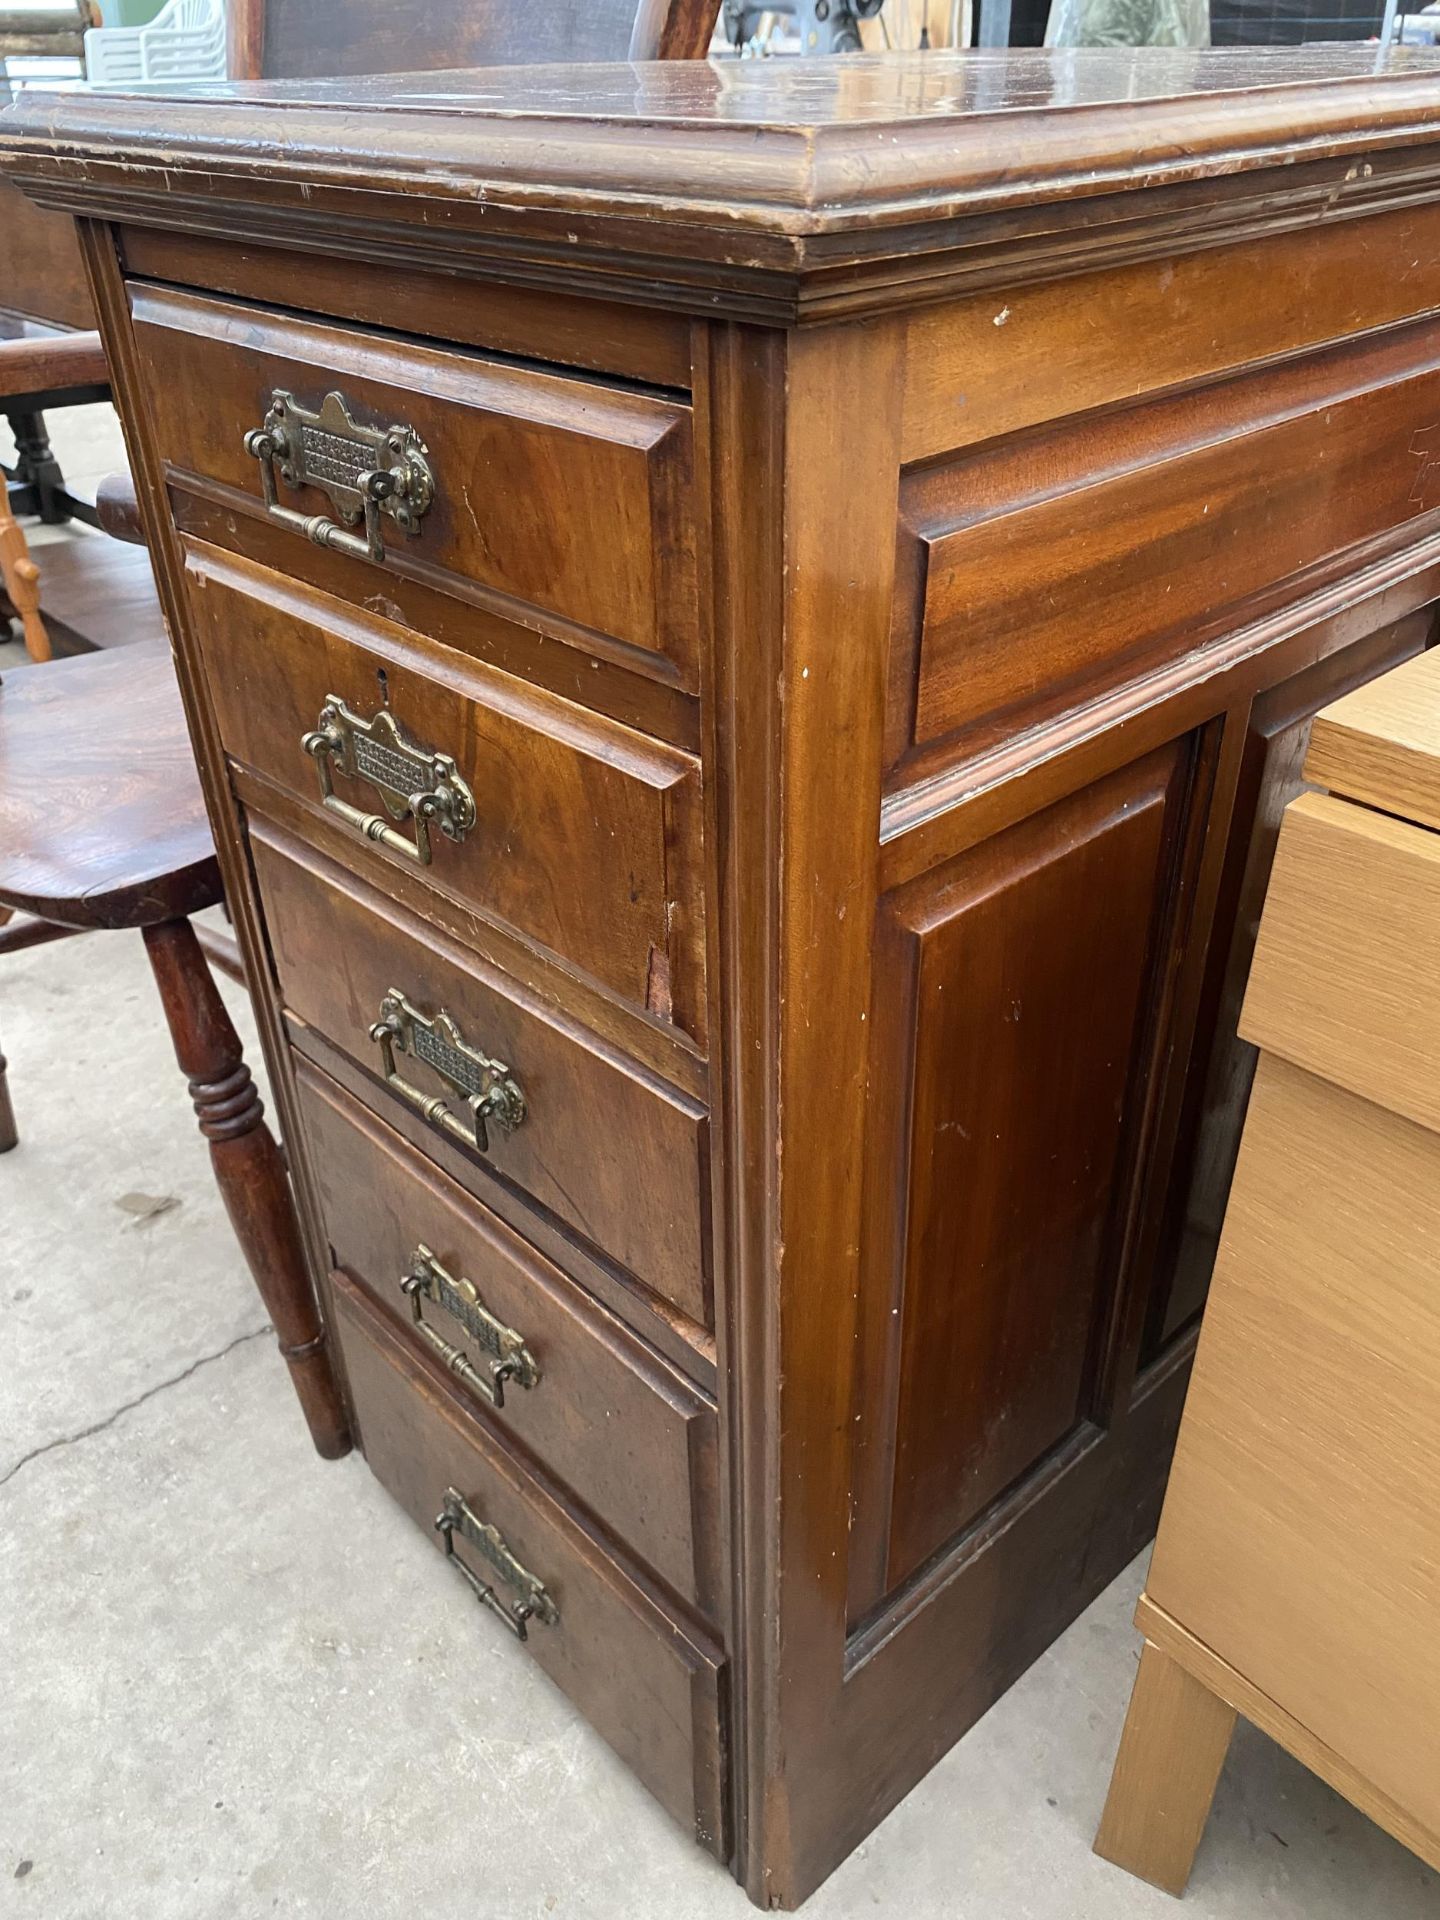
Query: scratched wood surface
x,y
933,523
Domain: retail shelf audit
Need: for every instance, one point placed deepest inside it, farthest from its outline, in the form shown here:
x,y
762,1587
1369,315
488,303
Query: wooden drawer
x,y
606,1149
574,830
645,1682
564,503
597,1408
1346,975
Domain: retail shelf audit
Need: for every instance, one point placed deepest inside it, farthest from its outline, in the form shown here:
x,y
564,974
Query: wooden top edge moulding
x,y
779,167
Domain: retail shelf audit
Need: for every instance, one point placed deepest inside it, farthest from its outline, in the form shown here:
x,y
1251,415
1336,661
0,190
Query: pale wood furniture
x,y
853,560
1296,1578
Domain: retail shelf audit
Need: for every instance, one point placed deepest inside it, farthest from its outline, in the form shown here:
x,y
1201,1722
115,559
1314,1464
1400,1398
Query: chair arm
x,y
49,362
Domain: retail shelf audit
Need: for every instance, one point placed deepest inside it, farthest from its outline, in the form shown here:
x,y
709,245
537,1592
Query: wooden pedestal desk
x,y
748,629
1296,1577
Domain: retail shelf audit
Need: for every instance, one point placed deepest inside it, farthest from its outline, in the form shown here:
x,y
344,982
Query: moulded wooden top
x,y
806,169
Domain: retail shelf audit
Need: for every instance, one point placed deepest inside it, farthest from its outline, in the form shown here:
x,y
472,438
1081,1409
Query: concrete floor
x,y
234,1681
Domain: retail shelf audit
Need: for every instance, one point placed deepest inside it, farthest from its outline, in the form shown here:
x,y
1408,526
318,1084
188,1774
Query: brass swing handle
x,y
455,1516
509,1357
371,474
487,1087
413,783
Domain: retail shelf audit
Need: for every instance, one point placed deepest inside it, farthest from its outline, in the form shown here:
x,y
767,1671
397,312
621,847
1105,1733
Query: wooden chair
x,y
102,827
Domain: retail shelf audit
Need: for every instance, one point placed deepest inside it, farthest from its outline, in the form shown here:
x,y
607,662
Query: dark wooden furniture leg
x,y
249,1171
9,1137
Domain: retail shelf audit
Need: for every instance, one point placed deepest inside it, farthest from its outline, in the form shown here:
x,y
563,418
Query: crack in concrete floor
x,y
129,1406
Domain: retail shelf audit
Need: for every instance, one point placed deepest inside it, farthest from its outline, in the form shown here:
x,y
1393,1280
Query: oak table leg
x,y
1176,1737
249,1171
9,1136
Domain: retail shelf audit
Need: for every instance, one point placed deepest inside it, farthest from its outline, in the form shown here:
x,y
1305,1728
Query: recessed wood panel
x,y
1036,575
1014,1005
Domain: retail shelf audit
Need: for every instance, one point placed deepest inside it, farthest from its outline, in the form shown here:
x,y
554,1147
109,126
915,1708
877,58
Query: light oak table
x,y
1296,1577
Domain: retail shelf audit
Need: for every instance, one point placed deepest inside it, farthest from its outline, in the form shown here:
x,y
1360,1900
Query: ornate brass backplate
x,y
413,783
510,1358
486,1086
370,473
535,1603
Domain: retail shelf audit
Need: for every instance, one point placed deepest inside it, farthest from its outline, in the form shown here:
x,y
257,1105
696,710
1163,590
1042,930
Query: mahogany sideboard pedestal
x,y
748,628
1296,1577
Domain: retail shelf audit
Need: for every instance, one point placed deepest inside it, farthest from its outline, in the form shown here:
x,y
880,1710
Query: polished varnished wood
x,y
606,1148
505,444
586,836
652,1482
646,1681
903,611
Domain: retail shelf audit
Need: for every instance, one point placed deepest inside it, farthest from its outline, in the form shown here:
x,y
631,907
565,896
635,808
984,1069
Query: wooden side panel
x,y
1034,576
645,1682
1300,1541
1012,1087
512,450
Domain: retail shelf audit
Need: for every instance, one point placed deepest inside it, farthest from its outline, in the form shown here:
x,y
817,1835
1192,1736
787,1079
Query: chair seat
x,y
102,823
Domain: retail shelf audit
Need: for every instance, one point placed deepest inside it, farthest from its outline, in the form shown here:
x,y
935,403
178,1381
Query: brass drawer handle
x,y
455,1517
372,474
510,1358
413,784
487,1086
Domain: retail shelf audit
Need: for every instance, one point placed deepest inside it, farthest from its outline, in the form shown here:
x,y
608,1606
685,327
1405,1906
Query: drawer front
x,y
1346,975
1036,575
644,1682
597,1408
575,831
564,503
610,1152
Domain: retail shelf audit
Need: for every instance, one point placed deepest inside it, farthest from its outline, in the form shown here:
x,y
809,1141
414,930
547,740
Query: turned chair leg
x,y
1176,1736
248,1170
22,580
9,1136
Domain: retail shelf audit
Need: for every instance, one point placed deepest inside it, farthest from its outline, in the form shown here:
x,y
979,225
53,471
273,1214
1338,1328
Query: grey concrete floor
x,y
235,1682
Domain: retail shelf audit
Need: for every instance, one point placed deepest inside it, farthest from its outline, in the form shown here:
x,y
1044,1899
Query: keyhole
x,y
384,680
